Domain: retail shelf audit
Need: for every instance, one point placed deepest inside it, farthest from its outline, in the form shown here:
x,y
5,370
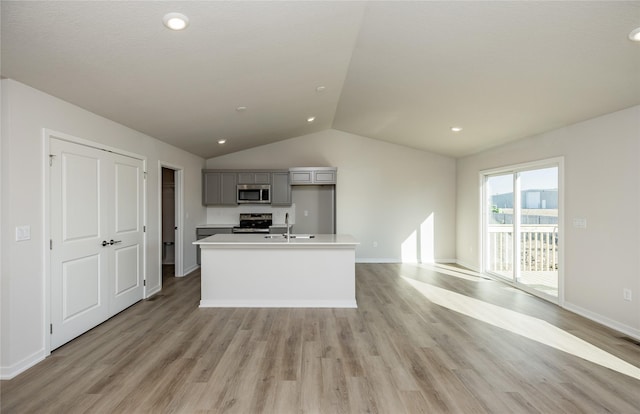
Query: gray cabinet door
x,y
229,190
246,178
324,177
211,186
262,178
252,177
313,175
302,177
219,188
280,189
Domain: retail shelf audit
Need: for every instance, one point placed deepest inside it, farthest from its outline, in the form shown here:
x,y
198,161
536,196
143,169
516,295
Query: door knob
x,y
105,243
115,241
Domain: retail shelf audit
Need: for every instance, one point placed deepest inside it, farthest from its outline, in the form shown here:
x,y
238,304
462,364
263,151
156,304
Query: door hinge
x,y
50,244
51,157
145,175
144,229
51,328
144,282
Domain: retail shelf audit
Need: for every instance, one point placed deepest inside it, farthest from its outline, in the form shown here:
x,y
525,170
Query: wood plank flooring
x,y
399,352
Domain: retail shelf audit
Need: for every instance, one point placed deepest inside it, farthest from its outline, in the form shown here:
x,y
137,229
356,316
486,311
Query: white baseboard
x,y
152,292
7,373
376,260
395,260
603,320
190,269
467,265
278,304
446,261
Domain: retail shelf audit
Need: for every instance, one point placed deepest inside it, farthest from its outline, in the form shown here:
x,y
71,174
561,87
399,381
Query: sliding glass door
x,y
521,227
500,243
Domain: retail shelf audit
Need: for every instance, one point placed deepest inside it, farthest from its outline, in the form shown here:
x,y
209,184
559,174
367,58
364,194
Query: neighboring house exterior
x,y
544,201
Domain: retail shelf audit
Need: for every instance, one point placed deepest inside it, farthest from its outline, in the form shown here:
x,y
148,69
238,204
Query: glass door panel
x,y
538,228
499,221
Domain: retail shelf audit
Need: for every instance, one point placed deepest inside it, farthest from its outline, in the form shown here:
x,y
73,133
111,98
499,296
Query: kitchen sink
x,y
291,236
302,236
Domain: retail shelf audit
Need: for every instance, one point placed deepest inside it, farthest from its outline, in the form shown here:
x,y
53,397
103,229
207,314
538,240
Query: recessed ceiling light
x,y
456,129
311,119
241,108
320,89
635,35
222,141
175,21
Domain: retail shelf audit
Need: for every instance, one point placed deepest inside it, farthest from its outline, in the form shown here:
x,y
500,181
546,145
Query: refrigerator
x,y
315,209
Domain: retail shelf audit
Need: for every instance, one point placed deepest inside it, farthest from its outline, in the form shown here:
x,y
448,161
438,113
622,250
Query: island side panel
x,y
278,277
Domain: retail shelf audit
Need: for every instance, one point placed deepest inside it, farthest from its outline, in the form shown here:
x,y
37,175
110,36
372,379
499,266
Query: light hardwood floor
x,y
414,345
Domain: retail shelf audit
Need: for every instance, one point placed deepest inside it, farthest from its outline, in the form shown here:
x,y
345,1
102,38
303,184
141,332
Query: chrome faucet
x,y
286,223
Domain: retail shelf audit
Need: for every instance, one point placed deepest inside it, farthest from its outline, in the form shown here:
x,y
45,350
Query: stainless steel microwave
x,y
254,194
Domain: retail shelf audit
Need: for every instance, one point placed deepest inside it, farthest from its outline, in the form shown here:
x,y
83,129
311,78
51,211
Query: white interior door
x,y
97,239
126,231
79,281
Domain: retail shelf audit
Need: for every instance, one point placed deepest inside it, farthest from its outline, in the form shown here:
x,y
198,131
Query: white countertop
x,y
259,240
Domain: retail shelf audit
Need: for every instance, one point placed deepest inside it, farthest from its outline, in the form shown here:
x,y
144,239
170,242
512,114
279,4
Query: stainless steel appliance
x,y
254,223
254,193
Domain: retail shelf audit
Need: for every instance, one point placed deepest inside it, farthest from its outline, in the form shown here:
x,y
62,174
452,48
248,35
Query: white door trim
x,y
47,135
179,216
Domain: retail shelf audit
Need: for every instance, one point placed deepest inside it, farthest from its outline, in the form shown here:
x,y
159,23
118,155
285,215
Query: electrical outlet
x,y
626,294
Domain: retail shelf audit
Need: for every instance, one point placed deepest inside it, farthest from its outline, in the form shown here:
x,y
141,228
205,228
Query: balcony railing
x,y
538,247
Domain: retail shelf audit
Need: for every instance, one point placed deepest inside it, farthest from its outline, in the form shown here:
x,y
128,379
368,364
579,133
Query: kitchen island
x,y
254,270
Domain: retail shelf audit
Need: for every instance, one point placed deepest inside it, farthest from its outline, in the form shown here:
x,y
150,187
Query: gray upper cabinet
x,y
254,177
280,189
219,188
313,175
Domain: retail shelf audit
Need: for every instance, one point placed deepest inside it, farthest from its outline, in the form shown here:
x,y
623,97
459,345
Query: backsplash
x,y
229,215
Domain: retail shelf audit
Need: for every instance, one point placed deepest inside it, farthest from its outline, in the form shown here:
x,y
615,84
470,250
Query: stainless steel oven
x,y
254,223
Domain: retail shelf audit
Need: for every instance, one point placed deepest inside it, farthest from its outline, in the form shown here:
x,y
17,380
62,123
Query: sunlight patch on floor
x,y
527,326
451,271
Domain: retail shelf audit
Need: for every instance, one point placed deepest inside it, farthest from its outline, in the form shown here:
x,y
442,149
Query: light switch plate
x,y
23,233
580,223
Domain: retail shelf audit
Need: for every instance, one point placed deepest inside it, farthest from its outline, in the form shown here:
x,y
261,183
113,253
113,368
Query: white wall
x,y
385,193
25,112
602,184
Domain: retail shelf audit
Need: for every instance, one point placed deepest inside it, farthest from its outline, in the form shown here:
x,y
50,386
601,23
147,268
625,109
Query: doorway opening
x,y
170,222
522,226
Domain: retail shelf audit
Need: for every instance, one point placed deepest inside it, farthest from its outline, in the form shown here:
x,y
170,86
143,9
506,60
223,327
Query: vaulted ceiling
x,y
403,72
